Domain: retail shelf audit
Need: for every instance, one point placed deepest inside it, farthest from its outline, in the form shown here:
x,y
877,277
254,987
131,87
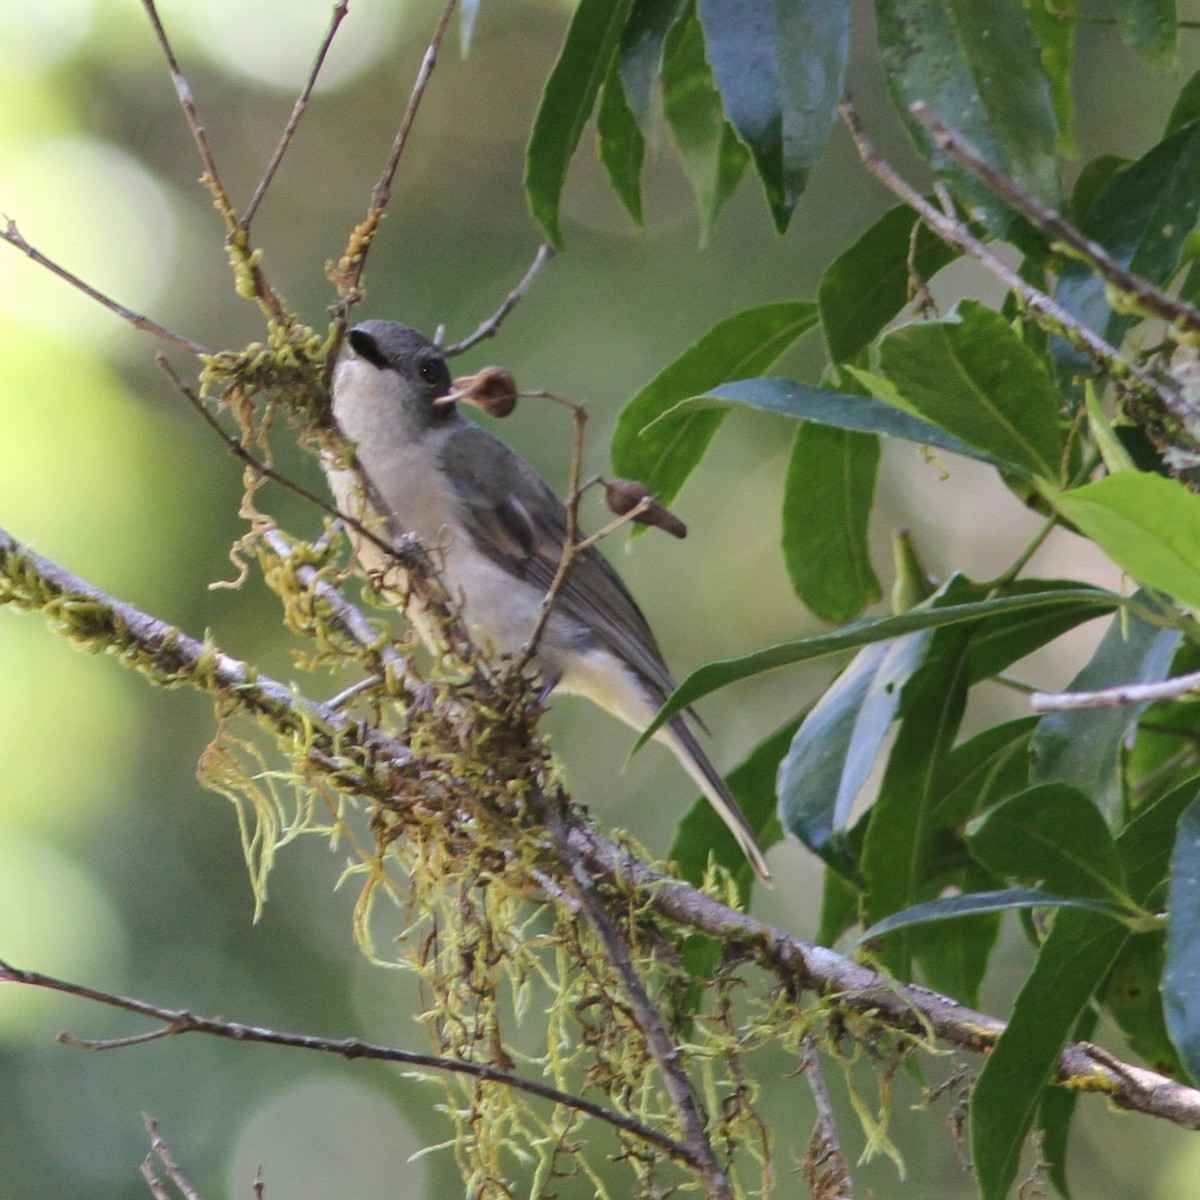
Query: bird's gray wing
x,y
518,522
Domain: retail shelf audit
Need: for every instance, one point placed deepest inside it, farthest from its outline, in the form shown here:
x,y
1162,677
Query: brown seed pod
x,y
624,495
492,389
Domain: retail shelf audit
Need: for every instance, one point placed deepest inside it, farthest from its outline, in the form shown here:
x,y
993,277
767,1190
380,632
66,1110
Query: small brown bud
x,y
492,389
624,495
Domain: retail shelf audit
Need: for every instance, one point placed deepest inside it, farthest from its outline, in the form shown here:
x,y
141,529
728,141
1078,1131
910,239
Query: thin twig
x,y
157,1190
491,326
180,1021
825,1167
1117,697
339,12
163,1151
12,235
350,269
648,1019
955,234
1148,298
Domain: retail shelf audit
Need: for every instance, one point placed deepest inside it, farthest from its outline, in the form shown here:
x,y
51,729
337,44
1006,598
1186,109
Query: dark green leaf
x,y
1141,218
835,748
897,849
867,286
622,146
972,375
1054,836
991,765
1181,979
664,456
841,410
713,158
827,497
1083,747
862,633
566,104
950,908
1093,179
1055,1113
839,907
702,834
1151,29
977,67
1187,106
1147,524
640,58
1132,998
779,67
1053,23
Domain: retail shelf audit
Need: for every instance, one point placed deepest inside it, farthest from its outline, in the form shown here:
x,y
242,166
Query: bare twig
x,y
1147,297
180,1021
1117,697
491,326
825,1167
163,1151
350,268
12,235
648,1019
157,1190
339,12
955,234
169,656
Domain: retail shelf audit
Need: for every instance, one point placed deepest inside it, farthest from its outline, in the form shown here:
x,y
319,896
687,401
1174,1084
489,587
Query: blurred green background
x,y
116,869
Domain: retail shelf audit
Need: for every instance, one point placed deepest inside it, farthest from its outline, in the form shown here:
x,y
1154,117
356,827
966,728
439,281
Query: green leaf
x,y
1084,747
779,66
715,675
1186,107
1142,219
566,104
1053,24
840,410
702,833
1132,998
835,748
897,849
622,146
1147,524
1074,959
867,285
1151,29
827,497
713,158
1056,1111
839,908
978,68
746,344
1091,182
1181,979
972,375
640,59
1054,836
952,908
983,770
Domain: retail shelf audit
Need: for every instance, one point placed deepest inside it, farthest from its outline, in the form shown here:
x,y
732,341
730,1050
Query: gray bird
x,y
496,531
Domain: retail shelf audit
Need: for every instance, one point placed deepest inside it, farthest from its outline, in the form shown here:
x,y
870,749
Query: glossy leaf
x,y
827,497
983,770
972,375
867,286
1054,836
841,410
835,748
779,66
951,908
720,674
566,104
1181,979
1083,747
663,456
1186,107
1141,218
1147,524
1091,182
1151,29
713,158
640,58
1053,23
977,67
622,147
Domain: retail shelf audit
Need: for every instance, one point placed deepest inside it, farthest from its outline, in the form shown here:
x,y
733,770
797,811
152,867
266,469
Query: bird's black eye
x,y
433,370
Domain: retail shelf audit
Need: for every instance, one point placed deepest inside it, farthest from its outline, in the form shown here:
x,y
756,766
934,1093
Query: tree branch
x,y
491,326
98,621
